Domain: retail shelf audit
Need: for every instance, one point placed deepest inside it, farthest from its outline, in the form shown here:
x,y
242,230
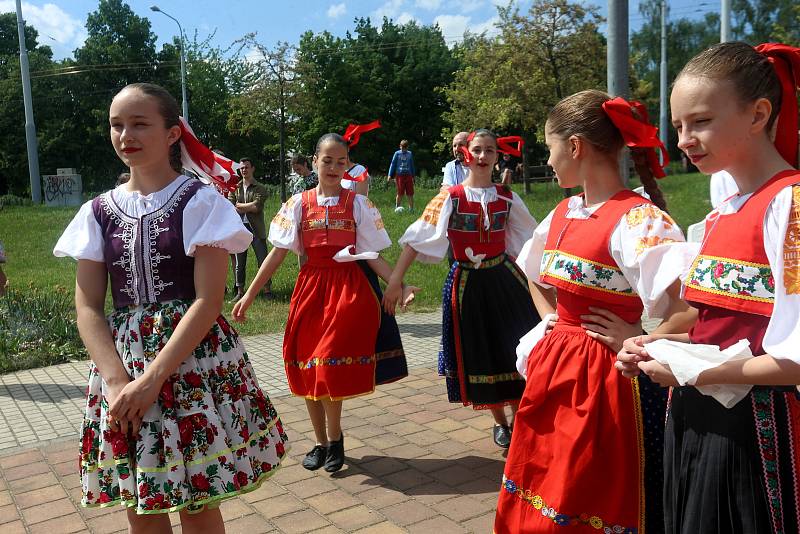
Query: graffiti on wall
x,y
62,189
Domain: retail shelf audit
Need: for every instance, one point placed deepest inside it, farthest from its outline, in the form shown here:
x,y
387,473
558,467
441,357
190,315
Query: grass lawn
x,y
29,234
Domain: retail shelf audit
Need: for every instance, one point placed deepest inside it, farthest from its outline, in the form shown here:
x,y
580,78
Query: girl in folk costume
x,y
577,457
733,467
391,357
486,306
335,315
175,420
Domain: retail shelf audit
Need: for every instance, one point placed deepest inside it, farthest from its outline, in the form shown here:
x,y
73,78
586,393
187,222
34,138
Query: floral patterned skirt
x,y
211,434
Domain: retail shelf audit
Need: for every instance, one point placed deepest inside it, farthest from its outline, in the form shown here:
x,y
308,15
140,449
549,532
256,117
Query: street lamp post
x,y
183,62
30,126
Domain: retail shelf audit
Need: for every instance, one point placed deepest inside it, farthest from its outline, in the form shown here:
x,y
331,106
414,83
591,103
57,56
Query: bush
x,y
14,200
37,328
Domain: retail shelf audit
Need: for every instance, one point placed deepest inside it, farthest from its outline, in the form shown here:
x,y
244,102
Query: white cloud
x,y
404,18
486,26
454,26
337,10
57,28
430,5
467,6
391,9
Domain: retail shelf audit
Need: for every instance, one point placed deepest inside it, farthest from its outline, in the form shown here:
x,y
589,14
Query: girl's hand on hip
x,y
609,328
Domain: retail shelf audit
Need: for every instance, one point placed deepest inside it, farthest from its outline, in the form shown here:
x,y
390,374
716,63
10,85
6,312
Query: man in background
x,y
249,199
401,170
455,171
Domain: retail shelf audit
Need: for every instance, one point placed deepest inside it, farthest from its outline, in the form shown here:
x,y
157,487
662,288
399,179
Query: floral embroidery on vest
x,y
791,247
583,272
737,279
564,520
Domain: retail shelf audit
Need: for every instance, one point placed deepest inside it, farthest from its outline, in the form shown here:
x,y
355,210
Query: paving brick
x,y
40,496
310,487
332,501
5,498
406,451
427,437
23,458
233,509
278,506
436,524
461,508
382,528
300,522
62,525
267,490
251,524
409,512
482,523
407,479
381,497
383,466
49,510
467,434
15,527
26,471
8,513
354,518
453,475
113,520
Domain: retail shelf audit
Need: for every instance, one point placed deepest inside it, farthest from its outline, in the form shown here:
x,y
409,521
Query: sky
x,y
61,22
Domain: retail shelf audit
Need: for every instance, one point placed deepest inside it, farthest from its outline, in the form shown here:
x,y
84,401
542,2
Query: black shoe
x,y
335,459
502,436
315,458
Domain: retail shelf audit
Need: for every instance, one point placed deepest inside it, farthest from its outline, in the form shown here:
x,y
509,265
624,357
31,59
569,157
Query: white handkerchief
x,y
687,361
345,255
528,341
476,259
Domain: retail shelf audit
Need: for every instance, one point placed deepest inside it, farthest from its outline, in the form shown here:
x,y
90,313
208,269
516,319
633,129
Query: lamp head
x,y
155,8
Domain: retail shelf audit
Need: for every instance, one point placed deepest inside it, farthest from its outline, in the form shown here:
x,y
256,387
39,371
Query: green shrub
x,y
14,200
38,328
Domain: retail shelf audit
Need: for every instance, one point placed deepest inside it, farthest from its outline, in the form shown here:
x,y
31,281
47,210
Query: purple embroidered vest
x,y
145,257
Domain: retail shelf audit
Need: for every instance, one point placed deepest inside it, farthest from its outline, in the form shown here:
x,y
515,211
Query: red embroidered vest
x,y
331,226
732,270
466,228
577,257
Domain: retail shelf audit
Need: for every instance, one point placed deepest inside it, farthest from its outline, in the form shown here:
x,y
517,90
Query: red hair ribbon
x,y
353,132
359,178
786,60
511,144
506,145
210,167
636,131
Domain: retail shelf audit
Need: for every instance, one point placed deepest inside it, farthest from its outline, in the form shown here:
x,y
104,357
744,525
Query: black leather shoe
x,y
335,458
502,436
315,458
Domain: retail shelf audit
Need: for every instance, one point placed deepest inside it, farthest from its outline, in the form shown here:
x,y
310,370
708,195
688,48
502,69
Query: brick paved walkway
x,y
415,462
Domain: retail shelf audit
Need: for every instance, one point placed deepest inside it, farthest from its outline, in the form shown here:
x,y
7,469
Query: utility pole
x,y
185,105
617,54
30,126
725,21
662,111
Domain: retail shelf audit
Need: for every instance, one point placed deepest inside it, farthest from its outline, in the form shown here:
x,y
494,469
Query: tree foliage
x,y
510,82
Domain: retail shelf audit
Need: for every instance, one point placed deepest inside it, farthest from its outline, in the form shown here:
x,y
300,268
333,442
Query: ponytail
x,y
640,161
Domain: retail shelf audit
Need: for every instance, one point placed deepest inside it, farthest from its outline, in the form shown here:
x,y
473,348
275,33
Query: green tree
x,y
510,82
762,21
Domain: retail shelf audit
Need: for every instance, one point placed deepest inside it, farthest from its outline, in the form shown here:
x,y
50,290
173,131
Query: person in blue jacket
x,y
401,170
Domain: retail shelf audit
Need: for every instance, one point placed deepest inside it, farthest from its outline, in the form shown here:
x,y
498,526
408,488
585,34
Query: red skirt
x,y
329,343
576,454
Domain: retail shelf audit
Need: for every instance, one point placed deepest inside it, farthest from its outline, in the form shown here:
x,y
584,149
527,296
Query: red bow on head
x,y
786,60
357,178
353,132
636,131
209,166
505,145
